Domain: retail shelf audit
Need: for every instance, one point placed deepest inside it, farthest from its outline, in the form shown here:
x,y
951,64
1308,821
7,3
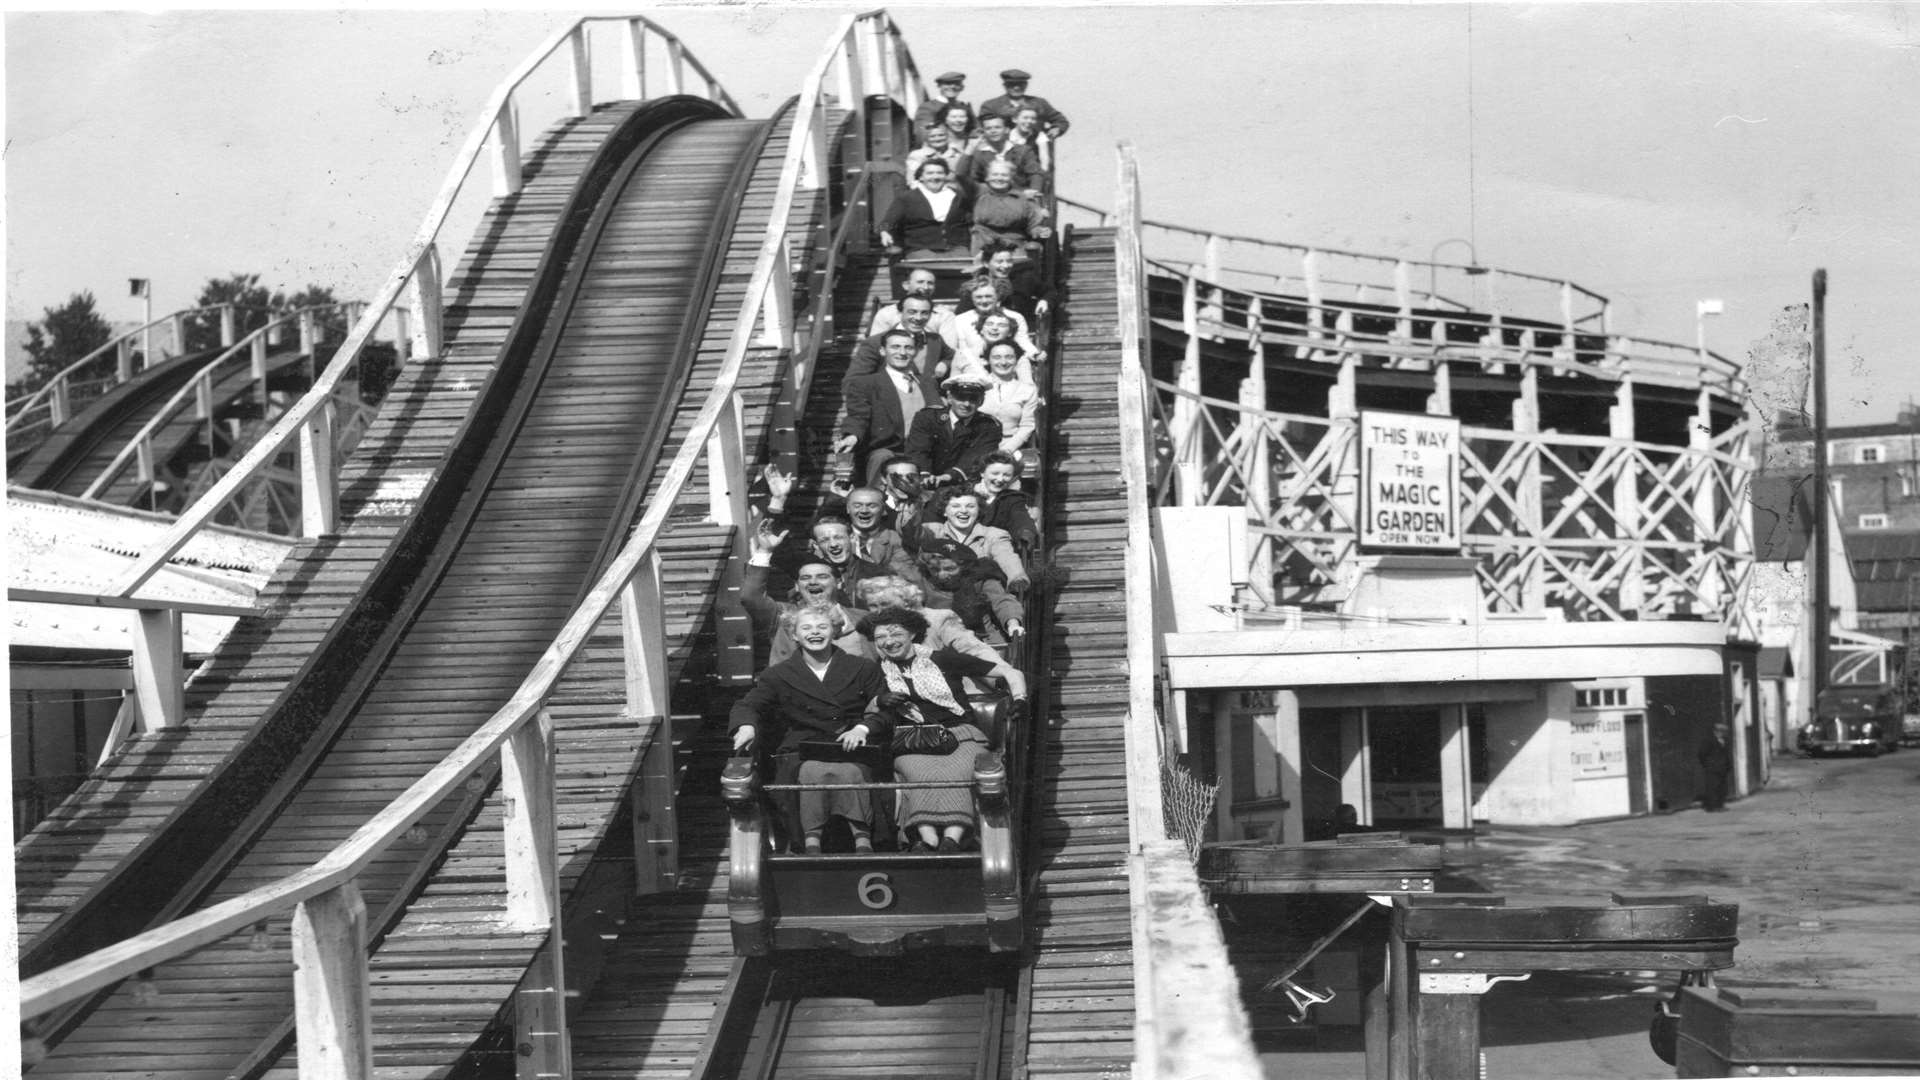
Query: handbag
x,y
916,737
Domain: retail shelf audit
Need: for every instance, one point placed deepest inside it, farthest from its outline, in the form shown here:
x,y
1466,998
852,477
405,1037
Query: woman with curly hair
x,y
924,685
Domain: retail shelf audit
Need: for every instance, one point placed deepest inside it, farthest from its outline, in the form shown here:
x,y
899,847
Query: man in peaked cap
x,y
950,85
1052,120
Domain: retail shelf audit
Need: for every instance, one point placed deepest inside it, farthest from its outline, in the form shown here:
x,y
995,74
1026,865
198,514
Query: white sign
x,y
1409,481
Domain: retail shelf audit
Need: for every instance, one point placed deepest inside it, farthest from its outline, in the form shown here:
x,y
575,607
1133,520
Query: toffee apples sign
x,y
1409,481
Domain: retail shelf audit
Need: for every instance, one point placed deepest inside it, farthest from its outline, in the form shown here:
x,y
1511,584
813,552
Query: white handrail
x,y
17,408
420,257
201,378
1188,1020
339,867
1623,355
1397,282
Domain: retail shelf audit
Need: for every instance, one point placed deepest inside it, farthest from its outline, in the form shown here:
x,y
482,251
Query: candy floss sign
x,y
1409,481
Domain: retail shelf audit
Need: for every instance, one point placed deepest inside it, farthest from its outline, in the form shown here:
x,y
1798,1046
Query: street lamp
x,y
1473,267
1702,311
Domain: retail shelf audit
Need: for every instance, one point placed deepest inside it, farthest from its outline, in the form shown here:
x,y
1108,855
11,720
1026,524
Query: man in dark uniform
x,y
1052,120
950,85
1716,763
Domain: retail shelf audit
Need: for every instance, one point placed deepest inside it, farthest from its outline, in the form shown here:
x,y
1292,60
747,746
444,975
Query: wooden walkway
x,y
1078,994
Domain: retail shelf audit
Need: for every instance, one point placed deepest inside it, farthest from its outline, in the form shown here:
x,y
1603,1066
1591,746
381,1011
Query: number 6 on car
x,y
876,890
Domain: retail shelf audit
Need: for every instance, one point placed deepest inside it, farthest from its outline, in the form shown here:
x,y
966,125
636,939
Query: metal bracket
x,y
1463,982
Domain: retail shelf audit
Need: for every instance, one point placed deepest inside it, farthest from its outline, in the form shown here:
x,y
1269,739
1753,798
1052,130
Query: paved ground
x,y
1824,863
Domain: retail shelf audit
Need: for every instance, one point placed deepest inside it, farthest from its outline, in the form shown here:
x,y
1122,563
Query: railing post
x,y
1527,496
656,849
1630,546
851,94
531,842
319,508
676,67
506,152
580,66
1310,273
1566,306
1259,479
526,789
179,333
124,358
228,334
874,75
309,333
143,468
813,160
331,990
257,363
1703,478
403,334
158,679
59,405
776,307
424,291
1403,298
633,53
727,502
1186,405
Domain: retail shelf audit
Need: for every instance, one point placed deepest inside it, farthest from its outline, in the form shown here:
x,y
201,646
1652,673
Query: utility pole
x,y
1819,627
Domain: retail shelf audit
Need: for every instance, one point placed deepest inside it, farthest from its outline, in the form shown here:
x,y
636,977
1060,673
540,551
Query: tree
x,y
333,323
63,335
253,304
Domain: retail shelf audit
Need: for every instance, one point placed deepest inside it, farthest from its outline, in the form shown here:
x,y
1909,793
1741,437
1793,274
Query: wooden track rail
x,y
529,544
50,464
92,848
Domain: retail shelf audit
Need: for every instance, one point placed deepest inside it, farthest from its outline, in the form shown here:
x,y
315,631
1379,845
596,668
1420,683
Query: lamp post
x,y
1473,267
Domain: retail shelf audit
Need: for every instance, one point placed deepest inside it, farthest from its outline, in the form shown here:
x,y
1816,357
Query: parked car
x,y
1862,718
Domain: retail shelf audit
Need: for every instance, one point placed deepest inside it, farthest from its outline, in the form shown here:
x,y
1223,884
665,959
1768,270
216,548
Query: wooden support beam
x,y
423,290
1527,498
1186,420
580,70
727,505
530,839
158,675
643,633
676,67
776,306
633,61
319,494
123,359
507,172
228,329
257,358
331,993
1626,503
540,1017
59,404
1456,779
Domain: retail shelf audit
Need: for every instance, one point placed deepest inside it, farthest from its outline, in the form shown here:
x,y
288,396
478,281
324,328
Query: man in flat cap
x,y
950,84
1052,120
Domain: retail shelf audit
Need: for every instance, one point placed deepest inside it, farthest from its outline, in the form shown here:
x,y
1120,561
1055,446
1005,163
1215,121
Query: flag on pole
x,y
138,285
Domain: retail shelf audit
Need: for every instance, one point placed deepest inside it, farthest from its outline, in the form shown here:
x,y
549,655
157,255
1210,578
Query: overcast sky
x,y
1658,153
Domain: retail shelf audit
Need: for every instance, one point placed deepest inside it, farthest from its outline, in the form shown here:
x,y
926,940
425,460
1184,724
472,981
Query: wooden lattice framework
x,y
1605,526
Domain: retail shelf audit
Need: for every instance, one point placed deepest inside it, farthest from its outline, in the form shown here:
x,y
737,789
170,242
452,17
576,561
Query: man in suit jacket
x,y
879,406
932,356
951,444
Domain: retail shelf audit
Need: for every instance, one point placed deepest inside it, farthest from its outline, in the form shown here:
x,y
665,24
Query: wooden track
x,y
666,966
48,463
559,497
1077,1001
183,436
88,853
